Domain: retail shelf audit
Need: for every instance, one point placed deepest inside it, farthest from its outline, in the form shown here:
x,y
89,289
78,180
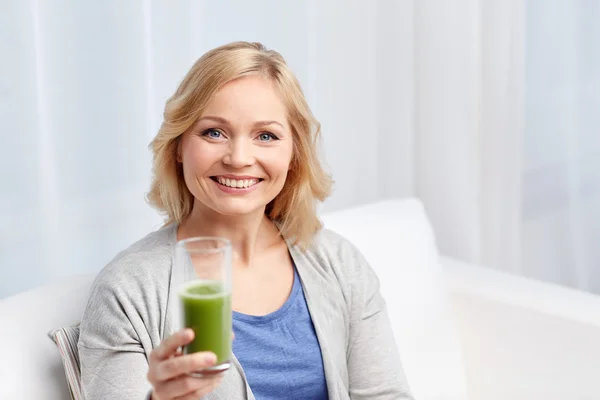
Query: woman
x,y
236,157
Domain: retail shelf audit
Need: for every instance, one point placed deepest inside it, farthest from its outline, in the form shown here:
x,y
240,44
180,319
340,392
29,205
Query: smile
x,y
236,183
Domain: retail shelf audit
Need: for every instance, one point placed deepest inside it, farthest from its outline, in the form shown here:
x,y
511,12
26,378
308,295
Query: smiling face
x,y
237,155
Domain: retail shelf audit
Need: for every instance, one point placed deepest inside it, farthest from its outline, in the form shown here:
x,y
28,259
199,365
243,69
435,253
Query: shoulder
x,y
336,255
337,250
128,292
140,264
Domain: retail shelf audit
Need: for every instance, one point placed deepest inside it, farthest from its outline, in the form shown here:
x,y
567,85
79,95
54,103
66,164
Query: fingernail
x,y
210,358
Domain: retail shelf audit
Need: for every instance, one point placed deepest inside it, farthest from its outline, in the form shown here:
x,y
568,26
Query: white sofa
x,y
464,331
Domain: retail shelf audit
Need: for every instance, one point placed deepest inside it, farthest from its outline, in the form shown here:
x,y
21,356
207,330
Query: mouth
x,y
240,184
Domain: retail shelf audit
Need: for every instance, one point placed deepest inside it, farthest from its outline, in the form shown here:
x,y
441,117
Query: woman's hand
x,y
169,369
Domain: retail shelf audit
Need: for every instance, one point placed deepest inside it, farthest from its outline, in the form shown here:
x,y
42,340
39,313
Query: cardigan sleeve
x,y
113,359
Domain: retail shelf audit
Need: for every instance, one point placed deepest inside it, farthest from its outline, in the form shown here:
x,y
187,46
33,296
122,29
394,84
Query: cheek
x,y
197,158
280,166
283,159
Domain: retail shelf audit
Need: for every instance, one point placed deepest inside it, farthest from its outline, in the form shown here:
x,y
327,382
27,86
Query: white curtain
x,y
561,171
83,85
507,131
469,93
486,110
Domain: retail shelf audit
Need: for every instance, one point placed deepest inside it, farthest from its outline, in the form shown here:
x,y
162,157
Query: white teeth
x,y
243,183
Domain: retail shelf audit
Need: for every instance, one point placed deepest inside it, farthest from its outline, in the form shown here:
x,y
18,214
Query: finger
x,y
176,366
207,385
186,385
232,336
170,345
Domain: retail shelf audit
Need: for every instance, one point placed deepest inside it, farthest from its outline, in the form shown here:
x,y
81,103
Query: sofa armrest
x,y
524,339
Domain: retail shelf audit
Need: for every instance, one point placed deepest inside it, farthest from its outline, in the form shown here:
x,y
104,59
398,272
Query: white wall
x,y
84,84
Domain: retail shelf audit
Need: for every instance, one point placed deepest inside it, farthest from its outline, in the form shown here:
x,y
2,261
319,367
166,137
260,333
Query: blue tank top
x,y
279,352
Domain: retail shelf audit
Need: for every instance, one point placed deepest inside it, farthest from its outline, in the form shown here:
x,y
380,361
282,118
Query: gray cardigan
x,y
126,317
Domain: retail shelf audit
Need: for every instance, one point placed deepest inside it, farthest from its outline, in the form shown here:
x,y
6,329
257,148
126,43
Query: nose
x,y
239,154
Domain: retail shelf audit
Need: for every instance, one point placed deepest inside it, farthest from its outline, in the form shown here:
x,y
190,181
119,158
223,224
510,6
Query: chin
x,y
235,209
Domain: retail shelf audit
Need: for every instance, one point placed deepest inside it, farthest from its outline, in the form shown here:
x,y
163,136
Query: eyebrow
x,y
225,122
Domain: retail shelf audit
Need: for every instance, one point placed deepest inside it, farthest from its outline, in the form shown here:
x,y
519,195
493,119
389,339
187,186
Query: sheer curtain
x,y
82,89
469,94
561,171
507,131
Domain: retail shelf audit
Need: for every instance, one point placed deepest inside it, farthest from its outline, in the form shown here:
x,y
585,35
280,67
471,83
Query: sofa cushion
x,y
31,367
66,340
396,238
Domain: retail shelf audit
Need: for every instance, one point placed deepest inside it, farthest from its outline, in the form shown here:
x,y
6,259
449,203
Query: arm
x,y
107,374
374,367
112,357
121,353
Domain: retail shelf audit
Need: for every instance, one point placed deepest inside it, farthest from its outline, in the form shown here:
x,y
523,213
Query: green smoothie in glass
x,y
206,308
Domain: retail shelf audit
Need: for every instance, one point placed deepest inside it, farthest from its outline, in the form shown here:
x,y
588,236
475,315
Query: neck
x,y
248,233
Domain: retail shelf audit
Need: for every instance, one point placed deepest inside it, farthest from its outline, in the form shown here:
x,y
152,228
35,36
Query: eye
x,y
267,137
212,133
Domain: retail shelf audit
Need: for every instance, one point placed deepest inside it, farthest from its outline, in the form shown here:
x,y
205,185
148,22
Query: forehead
x,y
248,98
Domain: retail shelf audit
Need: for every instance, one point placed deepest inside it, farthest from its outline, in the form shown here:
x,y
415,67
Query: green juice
x,y
206,308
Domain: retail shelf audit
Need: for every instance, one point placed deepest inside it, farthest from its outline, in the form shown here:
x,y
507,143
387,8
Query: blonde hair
x,y
294,208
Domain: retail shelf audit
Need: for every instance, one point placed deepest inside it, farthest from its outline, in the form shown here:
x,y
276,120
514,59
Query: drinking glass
x,y
202,283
